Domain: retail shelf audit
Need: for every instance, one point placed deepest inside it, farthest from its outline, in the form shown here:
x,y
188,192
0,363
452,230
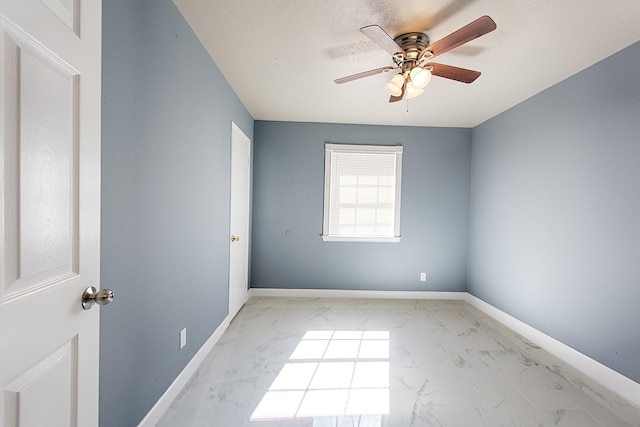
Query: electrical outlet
x,y
183,338
423,277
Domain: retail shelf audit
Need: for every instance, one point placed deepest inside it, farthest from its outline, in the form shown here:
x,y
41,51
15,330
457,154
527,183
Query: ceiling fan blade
x,y
477,28
364,74
398,98
383,39
454,73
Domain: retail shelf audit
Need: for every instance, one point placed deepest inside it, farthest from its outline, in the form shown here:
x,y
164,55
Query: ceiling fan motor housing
x,y
412,43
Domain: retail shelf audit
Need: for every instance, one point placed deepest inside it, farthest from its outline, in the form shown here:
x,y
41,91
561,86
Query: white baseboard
x,y
340,293
167,398
616,382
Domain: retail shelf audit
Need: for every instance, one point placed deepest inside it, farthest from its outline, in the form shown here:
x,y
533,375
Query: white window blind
x,y
362,193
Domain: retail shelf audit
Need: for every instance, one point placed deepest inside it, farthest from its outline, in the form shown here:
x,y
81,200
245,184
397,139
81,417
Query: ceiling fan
x,y
412,53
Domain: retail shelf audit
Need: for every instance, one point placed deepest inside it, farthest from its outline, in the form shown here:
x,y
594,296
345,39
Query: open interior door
x,y
50,55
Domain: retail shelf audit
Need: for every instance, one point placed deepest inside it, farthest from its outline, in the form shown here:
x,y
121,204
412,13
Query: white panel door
x,y
49,211
239,224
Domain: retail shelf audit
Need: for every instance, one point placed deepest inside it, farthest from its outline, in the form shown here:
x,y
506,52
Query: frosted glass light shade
x,y
413,91
394,87
420,77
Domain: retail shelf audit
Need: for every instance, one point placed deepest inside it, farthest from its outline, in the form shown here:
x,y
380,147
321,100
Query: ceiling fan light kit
x,y
411,53
420,77
394,87
415,81
412,92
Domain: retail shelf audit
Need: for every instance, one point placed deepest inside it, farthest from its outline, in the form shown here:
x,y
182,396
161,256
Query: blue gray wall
x,y
555,212
288,196
166,120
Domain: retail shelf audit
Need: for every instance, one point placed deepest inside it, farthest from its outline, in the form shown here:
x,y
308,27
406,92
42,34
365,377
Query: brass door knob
x,y
235,238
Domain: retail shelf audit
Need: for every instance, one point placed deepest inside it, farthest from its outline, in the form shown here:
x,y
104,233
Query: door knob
x,y
235,238
92,295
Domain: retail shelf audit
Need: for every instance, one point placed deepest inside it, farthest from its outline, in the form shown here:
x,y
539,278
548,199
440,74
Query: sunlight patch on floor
x,y
331,374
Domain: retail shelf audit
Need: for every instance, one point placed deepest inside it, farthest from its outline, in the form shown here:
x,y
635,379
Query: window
x,y
362,193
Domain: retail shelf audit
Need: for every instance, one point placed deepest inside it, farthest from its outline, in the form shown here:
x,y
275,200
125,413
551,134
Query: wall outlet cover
x,y
423,277
183,338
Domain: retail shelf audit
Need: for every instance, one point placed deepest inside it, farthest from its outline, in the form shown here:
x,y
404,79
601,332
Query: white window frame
x,y
331,148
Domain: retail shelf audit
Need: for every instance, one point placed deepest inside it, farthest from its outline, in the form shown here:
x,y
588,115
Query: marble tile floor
x,y
325,362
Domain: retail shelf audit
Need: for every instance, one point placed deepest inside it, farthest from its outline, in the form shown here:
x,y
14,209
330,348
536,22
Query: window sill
x,y
354,239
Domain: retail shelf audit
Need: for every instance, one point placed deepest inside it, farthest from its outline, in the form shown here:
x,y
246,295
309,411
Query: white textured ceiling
x,y
281,56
